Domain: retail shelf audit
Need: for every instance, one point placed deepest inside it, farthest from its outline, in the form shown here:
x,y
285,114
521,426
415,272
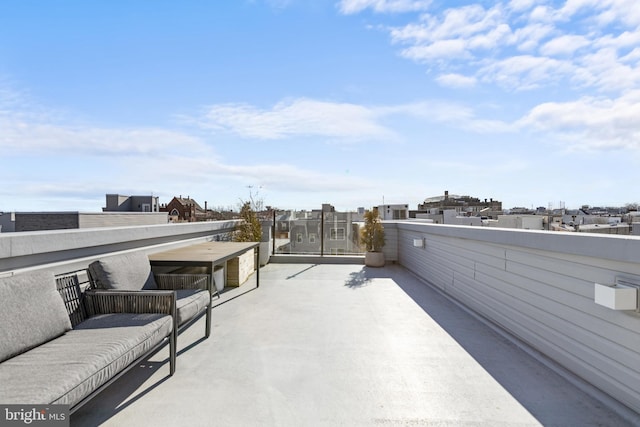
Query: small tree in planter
x,y
238,269
250,230
372,238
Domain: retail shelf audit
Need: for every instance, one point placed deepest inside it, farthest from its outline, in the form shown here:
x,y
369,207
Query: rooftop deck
x,y
344,345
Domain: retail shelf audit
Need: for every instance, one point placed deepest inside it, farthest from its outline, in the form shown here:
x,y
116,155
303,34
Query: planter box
x,y
240,268
616,297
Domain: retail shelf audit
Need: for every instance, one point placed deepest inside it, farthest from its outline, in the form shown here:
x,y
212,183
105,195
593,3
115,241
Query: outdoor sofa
x,y
131,272
59,345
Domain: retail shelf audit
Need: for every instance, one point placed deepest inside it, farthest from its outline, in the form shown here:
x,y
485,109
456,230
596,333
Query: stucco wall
x,y
65,250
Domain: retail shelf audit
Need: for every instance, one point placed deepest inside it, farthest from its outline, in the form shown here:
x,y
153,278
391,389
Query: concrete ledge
x,y
29,249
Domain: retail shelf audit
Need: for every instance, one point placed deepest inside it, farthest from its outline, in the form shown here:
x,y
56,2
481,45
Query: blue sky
x,y
304,102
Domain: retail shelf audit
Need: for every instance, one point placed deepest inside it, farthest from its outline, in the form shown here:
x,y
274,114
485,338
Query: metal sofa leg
x,y
208,321
173,339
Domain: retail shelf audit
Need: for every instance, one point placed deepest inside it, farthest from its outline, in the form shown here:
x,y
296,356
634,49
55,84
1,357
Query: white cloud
x,y
632,57
542,14
22,135
340,122
604,12
564,45
525,72
348,7
442,49
589,43
605,71
86,162
529,37
572,7
491,39
448,113
626,39
591,123
454,23
456,80
296,117
28,127
521,5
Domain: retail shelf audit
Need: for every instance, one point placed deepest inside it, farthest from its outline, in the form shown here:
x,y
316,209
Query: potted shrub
x,y
372,238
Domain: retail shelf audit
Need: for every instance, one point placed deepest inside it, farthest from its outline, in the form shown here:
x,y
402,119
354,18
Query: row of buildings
x,y
325,230
119,211
303,230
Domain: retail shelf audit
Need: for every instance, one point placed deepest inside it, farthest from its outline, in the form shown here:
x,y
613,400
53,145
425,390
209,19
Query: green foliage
x,y
250,230
372,234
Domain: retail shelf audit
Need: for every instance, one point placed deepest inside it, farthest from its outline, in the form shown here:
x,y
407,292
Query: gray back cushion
x,y
32,312
128,272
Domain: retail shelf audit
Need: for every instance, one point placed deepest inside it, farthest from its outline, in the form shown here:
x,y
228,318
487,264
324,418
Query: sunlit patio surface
x,y
343,345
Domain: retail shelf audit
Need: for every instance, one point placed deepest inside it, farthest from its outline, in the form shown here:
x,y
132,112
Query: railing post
x,y
322,233
273,233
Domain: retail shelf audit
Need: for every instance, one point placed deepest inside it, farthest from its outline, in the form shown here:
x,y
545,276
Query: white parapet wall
x,y
540,287
65,250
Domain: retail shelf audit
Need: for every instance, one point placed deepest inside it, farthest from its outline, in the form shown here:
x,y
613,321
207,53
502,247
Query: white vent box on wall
x,y
418,243
616,297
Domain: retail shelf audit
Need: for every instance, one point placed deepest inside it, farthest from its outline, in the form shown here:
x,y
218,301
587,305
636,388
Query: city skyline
x,y
350,102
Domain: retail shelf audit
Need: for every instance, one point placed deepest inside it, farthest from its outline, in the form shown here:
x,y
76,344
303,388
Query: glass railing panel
x,y
317,233
341,233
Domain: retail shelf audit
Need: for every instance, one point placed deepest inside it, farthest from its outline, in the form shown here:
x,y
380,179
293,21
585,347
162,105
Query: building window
x,y
337,234
312,238
299,237
146,207
399,214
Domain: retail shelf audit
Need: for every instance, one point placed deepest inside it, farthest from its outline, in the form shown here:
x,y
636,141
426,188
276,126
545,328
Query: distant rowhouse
x,y
461,204
182,209
120,203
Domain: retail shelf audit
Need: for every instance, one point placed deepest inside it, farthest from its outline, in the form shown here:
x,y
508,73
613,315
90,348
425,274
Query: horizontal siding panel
x,y
555,327
587,327
561,287
586,269
470,251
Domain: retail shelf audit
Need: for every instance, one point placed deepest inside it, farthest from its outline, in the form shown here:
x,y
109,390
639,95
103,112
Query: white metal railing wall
x,y
67,250
539,286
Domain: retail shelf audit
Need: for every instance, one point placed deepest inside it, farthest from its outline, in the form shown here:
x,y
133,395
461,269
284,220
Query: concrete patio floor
x,y
343,345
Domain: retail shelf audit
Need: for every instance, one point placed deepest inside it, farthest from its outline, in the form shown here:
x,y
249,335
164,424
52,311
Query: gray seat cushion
x,y
70,367
31,312
126,272
190,302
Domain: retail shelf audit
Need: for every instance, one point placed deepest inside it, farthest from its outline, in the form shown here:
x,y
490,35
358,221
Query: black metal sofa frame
x,y
60,345
82,305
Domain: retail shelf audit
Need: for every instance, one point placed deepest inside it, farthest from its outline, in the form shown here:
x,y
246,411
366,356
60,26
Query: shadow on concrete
x,y
293,276
120,395
364,277
233,297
